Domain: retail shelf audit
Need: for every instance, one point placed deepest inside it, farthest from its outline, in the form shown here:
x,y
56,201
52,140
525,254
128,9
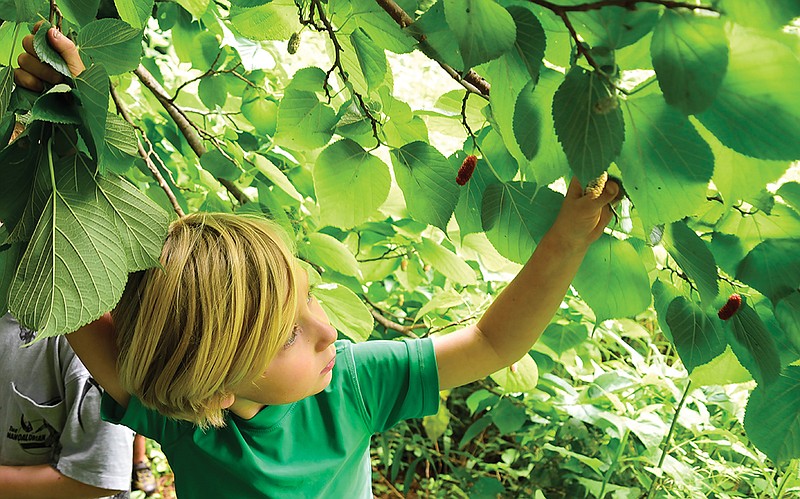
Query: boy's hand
x,y
32,73
582,218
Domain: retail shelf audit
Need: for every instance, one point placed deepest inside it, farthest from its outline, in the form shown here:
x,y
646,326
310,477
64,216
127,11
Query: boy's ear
x,y
227,401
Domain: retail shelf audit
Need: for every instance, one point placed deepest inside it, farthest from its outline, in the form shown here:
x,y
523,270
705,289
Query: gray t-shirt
x,y
50,412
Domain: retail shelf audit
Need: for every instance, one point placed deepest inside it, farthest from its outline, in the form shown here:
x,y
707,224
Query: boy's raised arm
x,y
96,346
516,319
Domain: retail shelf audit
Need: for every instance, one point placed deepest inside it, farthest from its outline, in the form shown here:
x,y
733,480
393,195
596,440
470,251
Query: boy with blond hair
x,y
225,358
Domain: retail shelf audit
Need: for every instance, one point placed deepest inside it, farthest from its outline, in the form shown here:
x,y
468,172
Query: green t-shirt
x,y
315,447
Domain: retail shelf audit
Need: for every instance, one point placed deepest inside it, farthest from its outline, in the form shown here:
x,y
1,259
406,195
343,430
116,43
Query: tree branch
x,y
146,156
390,324
627,4
472,81
189,130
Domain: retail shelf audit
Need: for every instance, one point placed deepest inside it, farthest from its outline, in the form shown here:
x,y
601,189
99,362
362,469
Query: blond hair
x,y
211,319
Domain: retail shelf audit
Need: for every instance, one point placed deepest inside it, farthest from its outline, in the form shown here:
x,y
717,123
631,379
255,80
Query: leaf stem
x,y
790,470
13,44
668,438
50,163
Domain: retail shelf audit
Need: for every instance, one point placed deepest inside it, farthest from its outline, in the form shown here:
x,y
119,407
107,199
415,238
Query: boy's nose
x,y
327,334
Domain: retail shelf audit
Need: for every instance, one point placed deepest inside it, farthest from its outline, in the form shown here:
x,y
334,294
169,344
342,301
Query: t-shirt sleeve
x,y
92,451
397,380
142,420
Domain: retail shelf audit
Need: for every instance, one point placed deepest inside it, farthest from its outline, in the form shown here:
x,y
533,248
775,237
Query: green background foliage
x,y
196,105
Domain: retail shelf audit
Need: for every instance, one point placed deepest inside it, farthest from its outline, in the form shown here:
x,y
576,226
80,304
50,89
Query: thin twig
x,y
668,438
627,4
189,129
472,81
337,66
208,72
146,156
390,324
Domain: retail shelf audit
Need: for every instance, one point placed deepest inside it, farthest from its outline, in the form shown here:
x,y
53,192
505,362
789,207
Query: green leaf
x,y
559,338
722,370
695,334
383,30
757,109
195,7
508,417
371,59
436,424
612,279
771,419
484,29
345,310
439,43
26,184
787,313
276,20
56,106
48,54
550,162
428,183
590,133
328,251
112,43
134,12
92,233
92,88
446,262
26,10
303,121
694,257
275,175
615,27
753,14
690,56
350,183
665,163
524,379
753,344
527,123
773,268
470,200
219,165
782,223
213,91
6,85
736,176
790,192
9,259
121,135
516,215
530,42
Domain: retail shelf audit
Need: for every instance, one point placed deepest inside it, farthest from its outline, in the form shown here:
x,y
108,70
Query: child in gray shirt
x,y
51,434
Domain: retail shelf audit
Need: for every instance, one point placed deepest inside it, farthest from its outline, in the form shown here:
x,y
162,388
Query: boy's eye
x,y
292,337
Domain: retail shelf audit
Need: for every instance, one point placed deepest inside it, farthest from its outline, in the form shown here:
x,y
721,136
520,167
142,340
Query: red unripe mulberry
x,y
730,308
466,170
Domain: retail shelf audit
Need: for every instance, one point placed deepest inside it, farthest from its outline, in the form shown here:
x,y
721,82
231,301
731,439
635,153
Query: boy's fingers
x,y
27,80
609,192
37,26
37,68
574,190
67,49
27,44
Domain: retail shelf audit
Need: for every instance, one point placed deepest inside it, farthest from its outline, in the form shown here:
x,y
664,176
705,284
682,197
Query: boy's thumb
x,y
67,49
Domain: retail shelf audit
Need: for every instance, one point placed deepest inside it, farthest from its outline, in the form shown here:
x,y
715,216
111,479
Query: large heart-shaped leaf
x,y
690,57
612,279
428,183
351,184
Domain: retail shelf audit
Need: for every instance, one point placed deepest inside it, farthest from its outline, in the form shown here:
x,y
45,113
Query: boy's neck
x,y
245,409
